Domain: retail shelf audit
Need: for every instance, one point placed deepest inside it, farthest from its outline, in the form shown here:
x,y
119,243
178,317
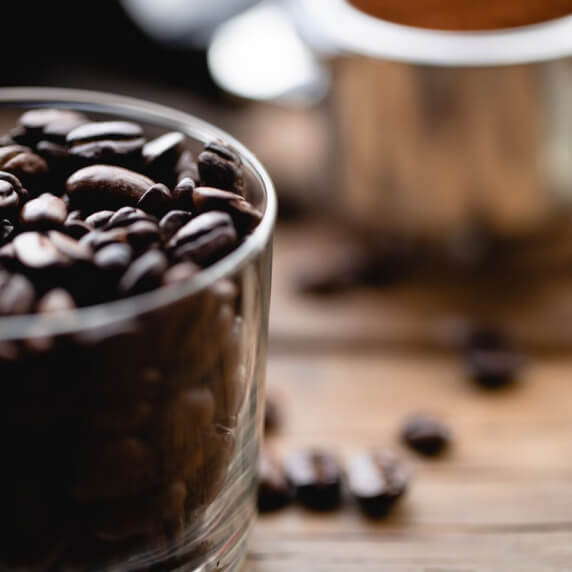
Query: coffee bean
x,y
377,480
6,231
27,166
99,219
426,434
76,228
180,272
9,200
273,489
43,212
161,154
17,294
491,358
142,235
111,142
99,187
75,250
317,478
183,194
156,200
97,239
113,258
221,167
36,251
186,167
204,239
56,300
51,123
126,216
145,273
244,215
172,222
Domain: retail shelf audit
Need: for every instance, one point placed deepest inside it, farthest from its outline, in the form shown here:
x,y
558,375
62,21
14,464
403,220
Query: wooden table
x,y
347,370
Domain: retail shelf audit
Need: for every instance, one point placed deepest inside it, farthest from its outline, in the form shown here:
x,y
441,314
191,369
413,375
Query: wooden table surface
x,y
348,368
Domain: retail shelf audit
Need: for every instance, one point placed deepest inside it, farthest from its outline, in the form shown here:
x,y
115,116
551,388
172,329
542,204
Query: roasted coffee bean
x,y
9,200
50,123
244,215
6,231
160,155
180,272
43,212
97,239
71,248
99,219
157,200
112,142
377,480
27,166
204,239
114,258
142,235
317,478
426,434
17,294
491,358
145,273
74,215
16,184
186,167
35,251
56,300
99,187
273,489
221,167
76,228
183,194
126,216
172,222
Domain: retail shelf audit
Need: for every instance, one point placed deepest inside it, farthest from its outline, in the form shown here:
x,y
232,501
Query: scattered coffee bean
x,y
142,234
36,251
49,123
27,166
204,239
56,300
97,239
126,216
274,490
491,358
113,258
43,212
161,154
377,480
426,434
172,222
183,194
221,167
71,248
76,228
156,200
144,274
99,219
17,294
316,477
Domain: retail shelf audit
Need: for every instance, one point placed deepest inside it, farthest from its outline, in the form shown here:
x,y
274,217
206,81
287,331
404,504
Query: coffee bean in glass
x,y
17,294
160,155
221,167
157,200
183,194
145,273
377,479
426,434
316,476
9,200
6,230
274,490
44,212
54,301
26,165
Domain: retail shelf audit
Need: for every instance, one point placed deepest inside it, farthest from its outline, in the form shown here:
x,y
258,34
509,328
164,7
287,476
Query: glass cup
x,y
130,429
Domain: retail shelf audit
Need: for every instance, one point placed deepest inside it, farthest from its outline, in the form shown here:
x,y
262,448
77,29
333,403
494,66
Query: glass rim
x,y
347,30
128,107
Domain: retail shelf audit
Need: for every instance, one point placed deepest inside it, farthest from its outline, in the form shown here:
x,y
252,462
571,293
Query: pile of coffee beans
x,y
117,437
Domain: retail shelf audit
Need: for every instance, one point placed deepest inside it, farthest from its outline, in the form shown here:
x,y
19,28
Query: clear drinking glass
x,y
130,430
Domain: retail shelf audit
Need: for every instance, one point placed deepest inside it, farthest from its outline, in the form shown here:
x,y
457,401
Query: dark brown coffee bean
x,y
6,231
317,478
97,239
27,166
74,215
76,228
161,154
36,251
157,200
172,222
274,491
17,294
9,200
71,248
37,123
145,273
183,194
491,358
204,239
142,235
244,215
377,480
99,187
221,167
426,434
99,219
126,216
16,184
114,258
180,272
103,130
56,300
43,212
